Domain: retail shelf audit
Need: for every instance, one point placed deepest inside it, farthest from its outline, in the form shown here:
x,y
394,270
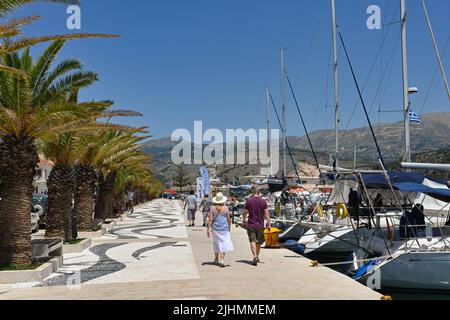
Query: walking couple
x,y
219,226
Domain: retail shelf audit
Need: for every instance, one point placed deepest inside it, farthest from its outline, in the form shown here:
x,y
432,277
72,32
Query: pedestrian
x,y
233,205
219,227
191,204
205,208
354,202
256,209
130,197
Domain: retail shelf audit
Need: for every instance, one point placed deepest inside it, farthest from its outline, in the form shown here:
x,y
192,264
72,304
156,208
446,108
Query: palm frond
x,y
13,71
67,85
12,28
13,46
44,63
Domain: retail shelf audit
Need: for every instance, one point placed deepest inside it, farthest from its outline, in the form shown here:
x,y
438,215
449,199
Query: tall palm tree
x,y
134,177
96,149
32,106
119,150
59,149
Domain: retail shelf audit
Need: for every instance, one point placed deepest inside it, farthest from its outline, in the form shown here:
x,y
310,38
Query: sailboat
x,y
331,237
417,260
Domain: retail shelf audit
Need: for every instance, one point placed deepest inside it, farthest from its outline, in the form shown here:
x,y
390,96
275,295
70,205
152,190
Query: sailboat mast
x,y
283,109
406,103
336,81
269,127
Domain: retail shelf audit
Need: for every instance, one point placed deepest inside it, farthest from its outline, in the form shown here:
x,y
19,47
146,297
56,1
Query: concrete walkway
x,y
153,255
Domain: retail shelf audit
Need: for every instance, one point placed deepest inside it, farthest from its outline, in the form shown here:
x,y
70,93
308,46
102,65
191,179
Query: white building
x,y
43,170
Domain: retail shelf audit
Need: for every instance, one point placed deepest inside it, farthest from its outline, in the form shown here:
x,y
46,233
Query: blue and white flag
x,y
413,117
206,182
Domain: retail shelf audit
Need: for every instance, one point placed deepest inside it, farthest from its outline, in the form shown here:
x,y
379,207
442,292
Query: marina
x,y
289,151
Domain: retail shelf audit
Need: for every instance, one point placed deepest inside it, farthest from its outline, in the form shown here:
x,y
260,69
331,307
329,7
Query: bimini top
x,y
437,193
407,182
378,180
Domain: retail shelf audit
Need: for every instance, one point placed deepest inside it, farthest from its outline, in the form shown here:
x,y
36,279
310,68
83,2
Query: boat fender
x,y
319,210
386,298
314,263
341,211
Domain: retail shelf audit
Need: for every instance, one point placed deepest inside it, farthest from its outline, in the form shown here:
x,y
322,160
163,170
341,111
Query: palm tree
x,y
26,113
125,153
60,184
97,150
136,177
32,106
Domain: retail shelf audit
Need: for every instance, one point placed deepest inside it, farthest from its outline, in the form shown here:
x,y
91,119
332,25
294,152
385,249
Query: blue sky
x,y
179,61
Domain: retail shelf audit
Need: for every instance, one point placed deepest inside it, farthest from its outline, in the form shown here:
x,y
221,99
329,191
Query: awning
x,y
440,194
378,180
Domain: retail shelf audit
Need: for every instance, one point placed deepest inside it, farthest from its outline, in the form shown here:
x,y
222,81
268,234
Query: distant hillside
x,y
430,141
438,156
164,169
432,134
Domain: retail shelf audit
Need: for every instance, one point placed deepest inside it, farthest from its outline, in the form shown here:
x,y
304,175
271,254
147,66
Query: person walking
x,y
233,205
191,204
130,197
256,210
219,227
205,208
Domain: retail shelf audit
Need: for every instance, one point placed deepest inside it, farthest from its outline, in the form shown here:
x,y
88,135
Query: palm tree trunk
x,y
85,182
104,205
60,189
18,159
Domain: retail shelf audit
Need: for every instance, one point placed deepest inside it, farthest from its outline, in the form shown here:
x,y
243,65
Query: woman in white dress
x,y
219,229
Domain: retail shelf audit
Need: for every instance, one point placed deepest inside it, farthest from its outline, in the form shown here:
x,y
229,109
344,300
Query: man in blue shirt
x,y
191,204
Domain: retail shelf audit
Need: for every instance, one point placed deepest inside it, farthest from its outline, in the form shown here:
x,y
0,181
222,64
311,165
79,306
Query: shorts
x,y
256,236
191,214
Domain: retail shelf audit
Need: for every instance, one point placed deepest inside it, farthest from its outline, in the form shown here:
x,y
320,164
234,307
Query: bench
x,y
45,248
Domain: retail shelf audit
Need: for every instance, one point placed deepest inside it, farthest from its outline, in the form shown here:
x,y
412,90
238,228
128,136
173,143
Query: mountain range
x,y
429,140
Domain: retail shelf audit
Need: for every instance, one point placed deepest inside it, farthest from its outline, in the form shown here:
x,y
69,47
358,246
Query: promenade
x,y
153,255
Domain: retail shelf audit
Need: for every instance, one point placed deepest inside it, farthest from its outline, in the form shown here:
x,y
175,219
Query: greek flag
x,y
414,118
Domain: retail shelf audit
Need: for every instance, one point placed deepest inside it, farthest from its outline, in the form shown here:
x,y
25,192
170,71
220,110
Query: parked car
x,y
40,204
34,221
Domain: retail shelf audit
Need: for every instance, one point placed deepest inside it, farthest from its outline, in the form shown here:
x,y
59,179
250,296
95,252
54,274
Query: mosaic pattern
x,y
133,260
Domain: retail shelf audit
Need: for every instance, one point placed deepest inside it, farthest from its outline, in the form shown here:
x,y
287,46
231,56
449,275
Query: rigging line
x,y
372,67
285,138
350,21
389,70
314,39
436,49
324,99
303,123
361,97
434,78
389,67
257,109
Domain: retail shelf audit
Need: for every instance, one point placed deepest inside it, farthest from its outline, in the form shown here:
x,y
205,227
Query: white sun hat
x,y
220,198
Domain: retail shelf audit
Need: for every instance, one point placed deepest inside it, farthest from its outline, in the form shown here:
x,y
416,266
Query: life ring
x,y
341,211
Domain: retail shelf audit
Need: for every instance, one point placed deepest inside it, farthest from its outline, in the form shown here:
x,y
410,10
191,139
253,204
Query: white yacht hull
x,y
413,271
334,246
